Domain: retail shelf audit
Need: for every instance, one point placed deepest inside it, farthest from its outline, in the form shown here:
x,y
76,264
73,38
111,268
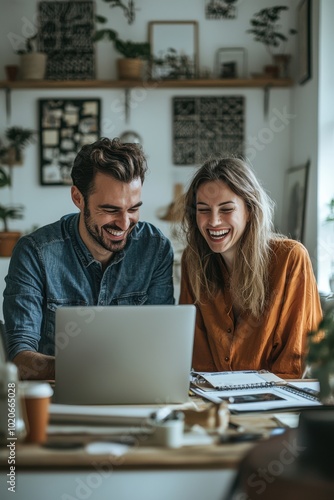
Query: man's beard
x,y
97,234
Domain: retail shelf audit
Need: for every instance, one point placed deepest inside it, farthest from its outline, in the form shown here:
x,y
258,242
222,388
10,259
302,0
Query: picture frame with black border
x,y
304,66
231,63
65,125
294,202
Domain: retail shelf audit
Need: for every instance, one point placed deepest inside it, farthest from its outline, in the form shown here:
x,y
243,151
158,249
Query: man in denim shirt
x,y
101,256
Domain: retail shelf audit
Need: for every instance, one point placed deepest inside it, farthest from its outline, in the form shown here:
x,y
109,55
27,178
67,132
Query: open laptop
x,y
123,354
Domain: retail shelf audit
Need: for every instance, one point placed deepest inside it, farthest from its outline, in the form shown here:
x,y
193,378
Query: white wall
x,y
326,143
151,110
304,140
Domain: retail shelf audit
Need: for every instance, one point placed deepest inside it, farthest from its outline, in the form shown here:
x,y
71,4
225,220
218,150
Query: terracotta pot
x,y
8,240
283,63
130,69
14,157
33,66
271,70
11,72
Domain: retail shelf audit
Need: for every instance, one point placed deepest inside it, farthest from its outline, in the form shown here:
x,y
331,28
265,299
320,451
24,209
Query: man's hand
x,y
35,366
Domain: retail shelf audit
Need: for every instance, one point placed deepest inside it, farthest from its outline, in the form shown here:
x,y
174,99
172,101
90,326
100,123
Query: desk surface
x,y
140,456
225,456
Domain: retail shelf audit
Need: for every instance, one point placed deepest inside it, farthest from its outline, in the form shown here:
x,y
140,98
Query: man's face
x,y
110,214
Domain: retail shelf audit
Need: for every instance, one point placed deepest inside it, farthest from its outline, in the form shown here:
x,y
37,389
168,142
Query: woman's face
x,y
221,217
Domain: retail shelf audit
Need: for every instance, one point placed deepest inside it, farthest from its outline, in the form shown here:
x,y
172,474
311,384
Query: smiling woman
x,y
255,290
221,218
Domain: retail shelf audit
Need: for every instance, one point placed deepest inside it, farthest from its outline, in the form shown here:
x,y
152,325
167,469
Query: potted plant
x,y
175,65
266,29
134,53
320,356
33,63
17,139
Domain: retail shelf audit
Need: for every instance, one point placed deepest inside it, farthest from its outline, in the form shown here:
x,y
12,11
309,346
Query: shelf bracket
x,y
127,96
8,104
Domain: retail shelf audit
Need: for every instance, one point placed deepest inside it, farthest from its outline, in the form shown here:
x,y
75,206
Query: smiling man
x,y
102,255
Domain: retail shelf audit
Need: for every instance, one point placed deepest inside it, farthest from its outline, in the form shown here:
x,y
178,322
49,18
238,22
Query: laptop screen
x,y
124,354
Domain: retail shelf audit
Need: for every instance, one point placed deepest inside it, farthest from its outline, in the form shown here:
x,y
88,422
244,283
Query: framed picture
x,y
304,41
295,202
207,126
65,125
220,9
65,34
174,49
231,63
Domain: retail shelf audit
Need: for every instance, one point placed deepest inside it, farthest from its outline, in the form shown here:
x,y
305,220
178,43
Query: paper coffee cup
x,y
36,399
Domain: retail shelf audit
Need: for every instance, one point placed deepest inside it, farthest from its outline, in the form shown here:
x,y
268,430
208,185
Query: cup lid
x,y
32,389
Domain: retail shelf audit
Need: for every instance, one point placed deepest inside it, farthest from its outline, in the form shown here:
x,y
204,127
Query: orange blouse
x,y
277,340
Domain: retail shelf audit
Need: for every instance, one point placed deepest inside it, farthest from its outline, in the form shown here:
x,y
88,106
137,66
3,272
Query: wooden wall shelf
x,y
127,85
154,84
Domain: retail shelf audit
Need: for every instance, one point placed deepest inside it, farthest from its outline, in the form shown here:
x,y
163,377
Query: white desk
x,y
143,473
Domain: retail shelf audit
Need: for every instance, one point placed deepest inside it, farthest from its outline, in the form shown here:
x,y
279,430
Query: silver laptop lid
x,y
123,354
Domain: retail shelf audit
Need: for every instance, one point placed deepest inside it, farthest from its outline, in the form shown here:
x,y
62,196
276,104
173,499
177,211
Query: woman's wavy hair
x,y
123,161
249,276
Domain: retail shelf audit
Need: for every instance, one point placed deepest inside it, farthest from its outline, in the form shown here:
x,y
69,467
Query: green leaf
x,y
108,34
4,178
10,212
101,19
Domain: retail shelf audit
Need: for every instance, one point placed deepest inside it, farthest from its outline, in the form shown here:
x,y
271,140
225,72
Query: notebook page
x,y
242,379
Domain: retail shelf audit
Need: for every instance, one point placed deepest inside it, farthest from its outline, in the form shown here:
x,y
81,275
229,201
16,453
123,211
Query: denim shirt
x,y
52,268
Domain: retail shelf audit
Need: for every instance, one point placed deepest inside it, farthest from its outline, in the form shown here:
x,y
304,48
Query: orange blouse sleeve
x,y
300,312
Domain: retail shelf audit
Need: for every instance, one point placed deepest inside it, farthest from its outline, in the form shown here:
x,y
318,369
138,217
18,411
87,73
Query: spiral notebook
x,y
251,391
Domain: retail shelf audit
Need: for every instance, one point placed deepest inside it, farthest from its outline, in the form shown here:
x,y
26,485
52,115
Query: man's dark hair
x,y
123,161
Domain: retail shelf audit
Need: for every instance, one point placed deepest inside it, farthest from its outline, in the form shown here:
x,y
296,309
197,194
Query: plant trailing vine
x,y
266,28
129,10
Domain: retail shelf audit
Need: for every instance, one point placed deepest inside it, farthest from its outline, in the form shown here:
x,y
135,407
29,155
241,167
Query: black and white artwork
x,y
220,9
65,35
65,125
206,126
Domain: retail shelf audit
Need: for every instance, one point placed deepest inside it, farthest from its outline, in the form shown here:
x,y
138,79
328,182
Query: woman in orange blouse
x,y
255,291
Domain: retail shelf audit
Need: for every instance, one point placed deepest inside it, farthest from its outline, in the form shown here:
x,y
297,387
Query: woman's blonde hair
x,y
249,276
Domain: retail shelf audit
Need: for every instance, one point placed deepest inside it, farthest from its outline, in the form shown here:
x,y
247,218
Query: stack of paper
x,y
251,391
